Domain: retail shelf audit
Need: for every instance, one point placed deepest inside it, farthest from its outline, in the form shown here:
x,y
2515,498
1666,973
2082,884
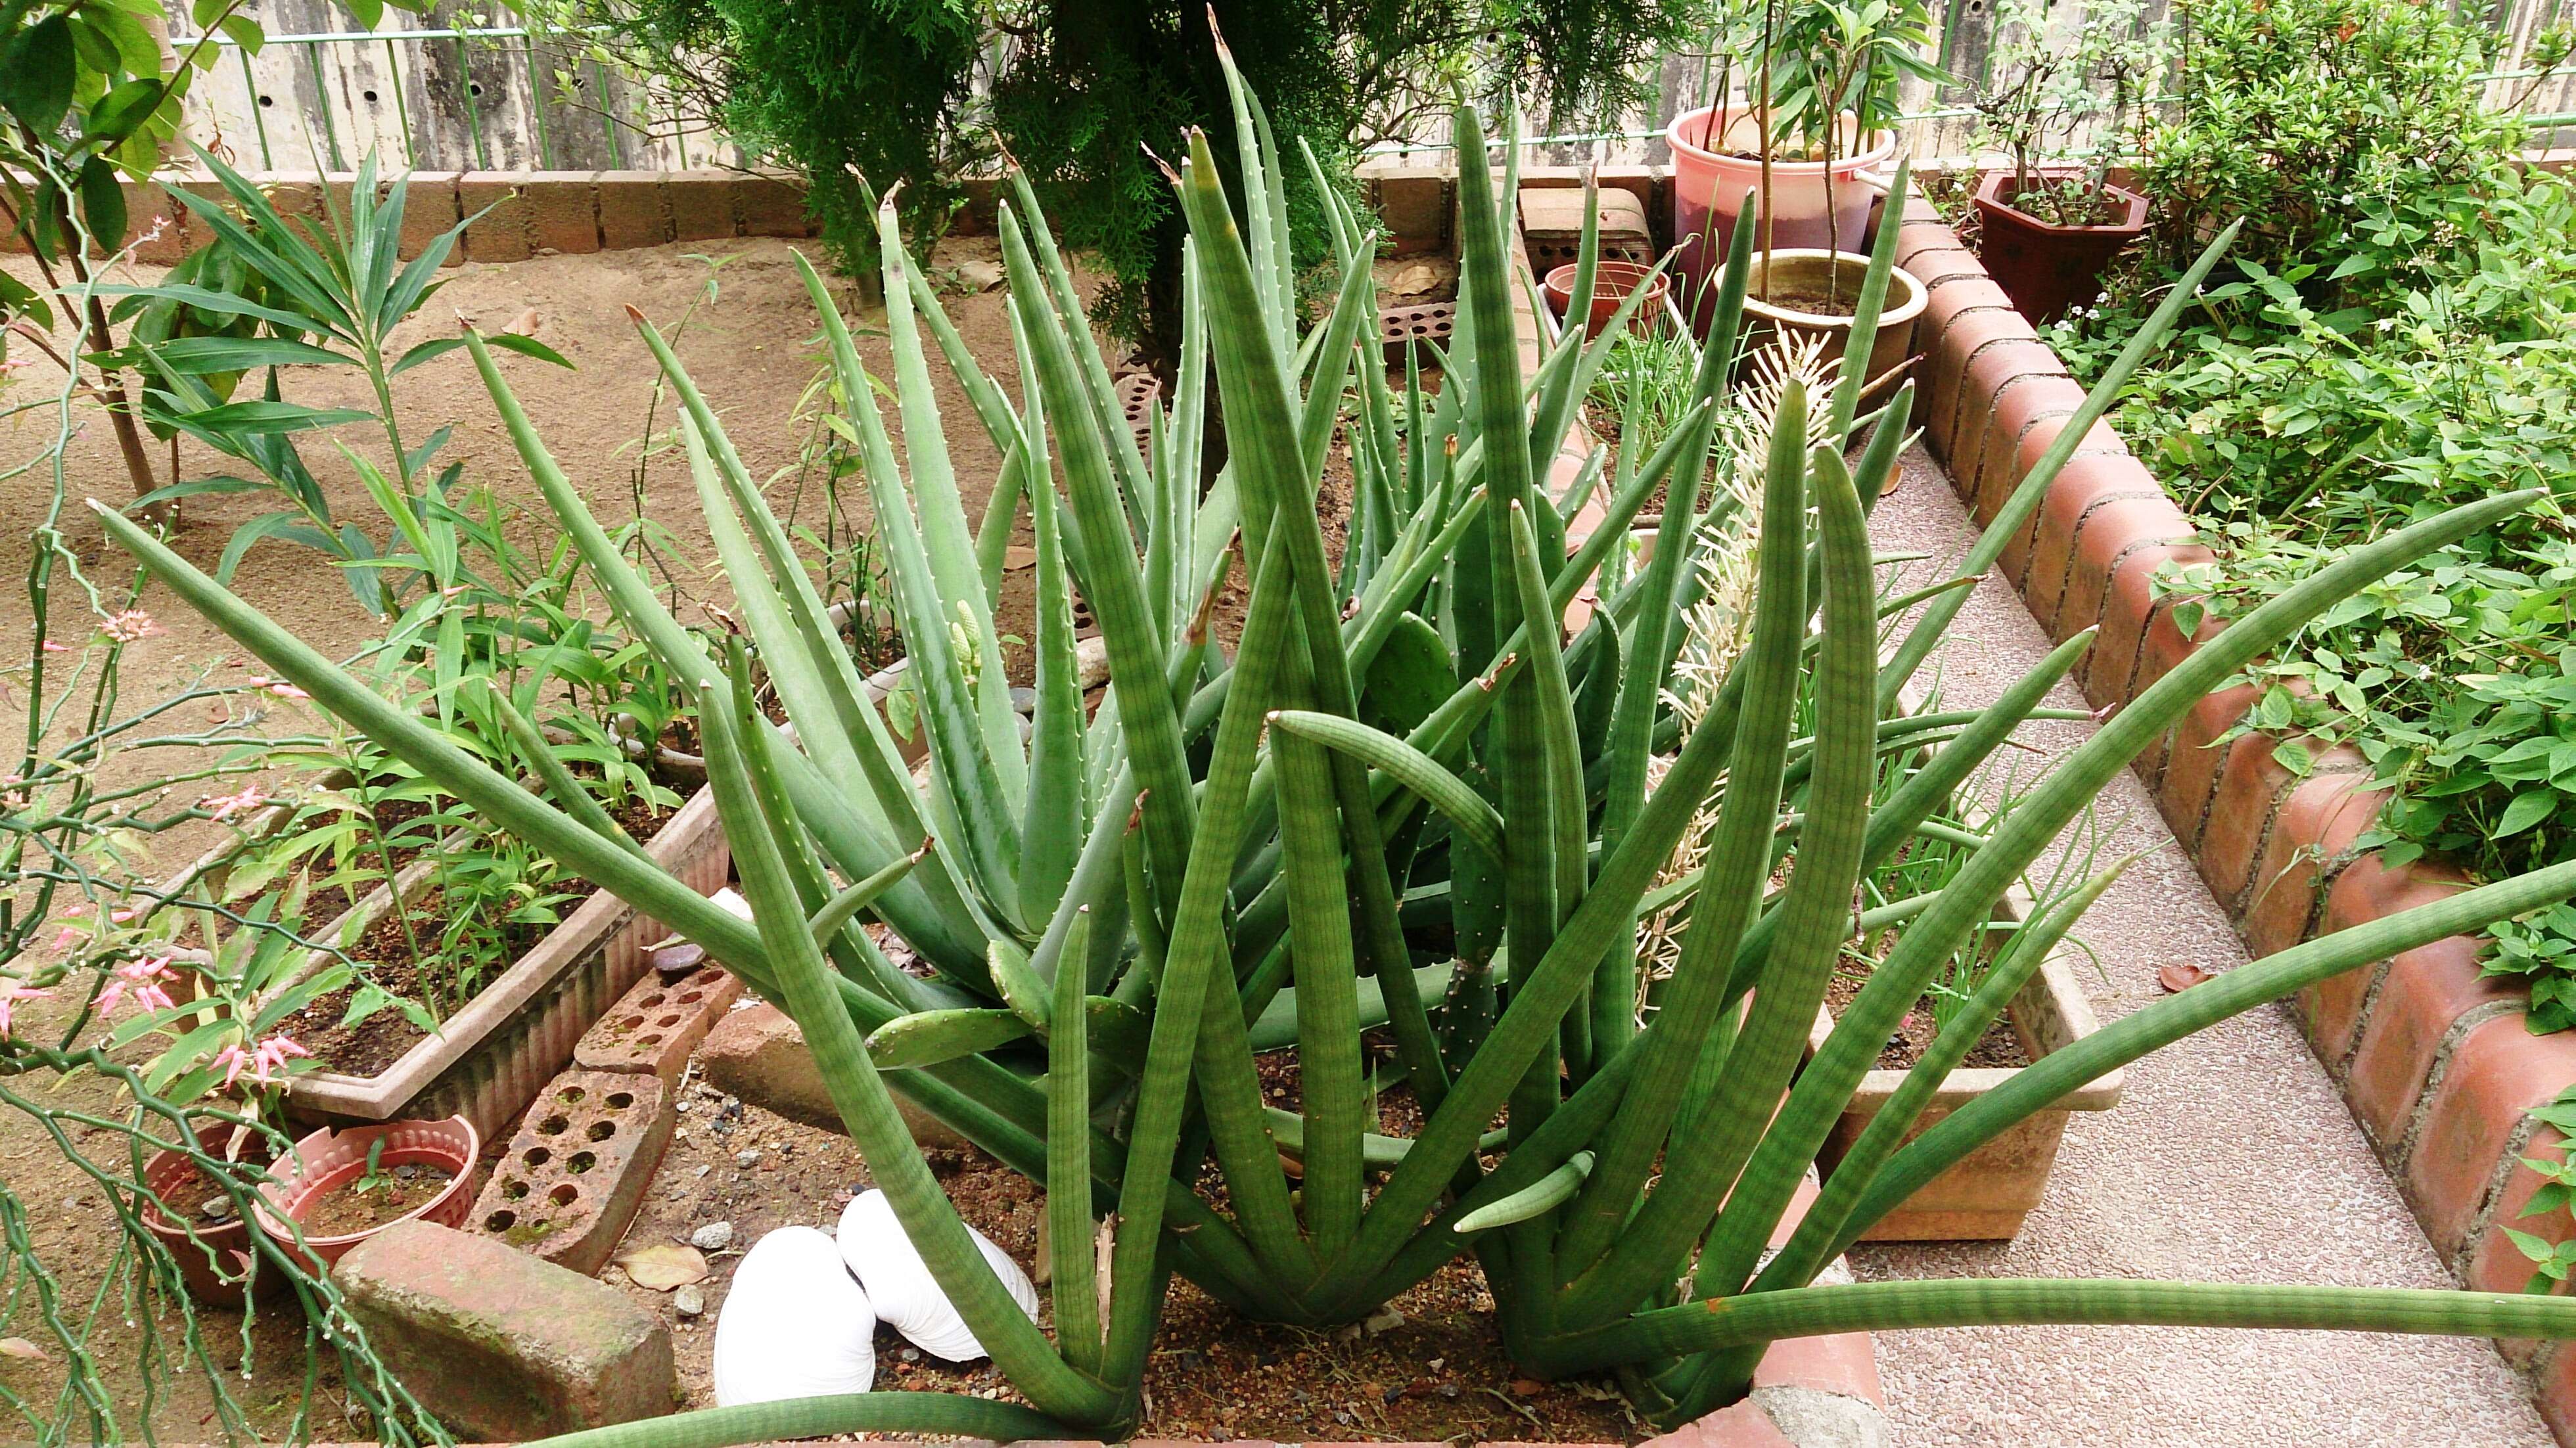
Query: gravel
x,y
2231,1158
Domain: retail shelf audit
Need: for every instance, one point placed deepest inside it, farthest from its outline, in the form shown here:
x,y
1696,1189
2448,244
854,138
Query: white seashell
x,y
795,1325
900,1286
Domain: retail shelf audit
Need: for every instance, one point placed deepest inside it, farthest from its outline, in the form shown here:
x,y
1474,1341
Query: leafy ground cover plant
x,y
1410,733
2398,340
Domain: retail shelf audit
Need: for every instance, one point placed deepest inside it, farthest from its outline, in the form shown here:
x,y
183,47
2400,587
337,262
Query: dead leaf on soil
x,y
662,1266
19,1347
1015,559
2181,975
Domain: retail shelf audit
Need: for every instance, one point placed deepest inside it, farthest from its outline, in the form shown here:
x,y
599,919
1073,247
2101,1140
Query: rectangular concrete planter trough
x,y
490,1058
1985,1196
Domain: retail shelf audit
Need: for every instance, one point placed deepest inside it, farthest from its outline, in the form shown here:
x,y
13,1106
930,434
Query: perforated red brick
x,y
575,1173
1420,323
655,1025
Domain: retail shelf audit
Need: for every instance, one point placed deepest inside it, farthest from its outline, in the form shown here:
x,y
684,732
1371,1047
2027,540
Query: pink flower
x,y
225,806
12,992
265,1063
51,647
132,625
278,687
64,937
140,980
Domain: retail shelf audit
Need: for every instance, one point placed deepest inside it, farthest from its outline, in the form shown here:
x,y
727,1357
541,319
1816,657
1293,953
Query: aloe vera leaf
x,y
1883,1306
859,1094
1533,1201
1739,859
1862,339
942,512
1900,979
926,1038
1051,820
1337,1109
1195,950
1113,581
1075,1285
790,1418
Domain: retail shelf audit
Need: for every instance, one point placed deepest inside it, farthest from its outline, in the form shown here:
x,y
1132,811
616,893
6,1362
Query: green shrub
x,y
2401,339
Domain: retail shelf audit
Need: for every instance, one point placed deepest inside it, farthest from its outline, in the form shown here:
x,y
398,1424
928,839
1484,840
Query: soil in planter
x,y
1439,1374
397,1192
1999,1046
199,1200
1810,298
385,951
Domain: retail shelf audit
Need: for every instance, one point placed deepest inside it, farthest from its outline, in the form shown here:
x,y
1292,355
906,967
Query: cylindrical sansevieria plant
x,y
1409,801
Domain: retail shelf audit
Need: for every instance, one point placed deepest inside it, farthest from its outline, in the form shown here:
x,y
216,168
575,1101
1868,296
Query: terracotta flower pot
x,y
328,1158
2046,268
1612,282
1804,270
213,1260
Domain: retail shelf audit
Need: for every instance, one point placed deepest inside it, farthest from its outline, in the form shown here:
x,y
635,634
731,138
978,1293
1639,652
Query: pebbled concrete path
x,y
2230,1159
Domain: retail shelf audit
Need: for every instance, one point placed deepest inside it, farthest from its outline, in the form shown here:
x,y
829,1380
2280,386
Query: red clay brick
x,y
2494,1263
656,1024
2132,614
2193,757
2251,783
631,213
2498,1072
2029,413
700,204
2164,649
573,1176
429,210
2364,891
2424,992
2317,827
773,206
1950,403
1843,1362
1985,369
563,213
2107,535
504,232
2053,533
1744,1425
500,1345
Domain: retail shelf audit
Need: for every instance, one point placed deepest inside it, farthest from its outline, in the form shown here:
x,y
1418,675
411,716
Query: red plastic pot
x,y
327,1158
1612,281
2043,267
213,1260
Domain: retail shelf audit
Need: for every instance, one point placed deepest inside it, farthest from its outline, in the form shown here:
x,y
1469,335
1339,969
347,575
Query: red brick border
x,y
2432,1057
532,213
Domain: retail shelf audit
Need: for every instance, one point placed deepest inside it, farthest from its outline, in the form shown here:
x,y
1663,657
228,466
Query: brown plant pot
x,y
1612,282
1986,1194
329,1157
1889,352
2046,268
213,1260
490,1058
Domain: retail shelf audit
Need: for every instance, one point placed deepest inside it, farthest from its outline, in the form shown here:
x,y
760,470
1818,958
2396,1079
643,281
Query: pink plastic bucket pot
x,y
327,1158
1710,183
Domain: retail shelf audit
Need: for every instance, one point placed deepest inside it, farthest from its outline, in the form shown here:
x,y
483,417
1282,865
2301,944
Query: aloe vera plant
x,y
1408,800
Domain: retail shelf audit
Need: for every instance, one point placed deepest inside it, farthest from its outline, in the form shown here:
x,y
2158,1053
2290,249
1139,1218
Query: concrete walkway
x,y
2231,1158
